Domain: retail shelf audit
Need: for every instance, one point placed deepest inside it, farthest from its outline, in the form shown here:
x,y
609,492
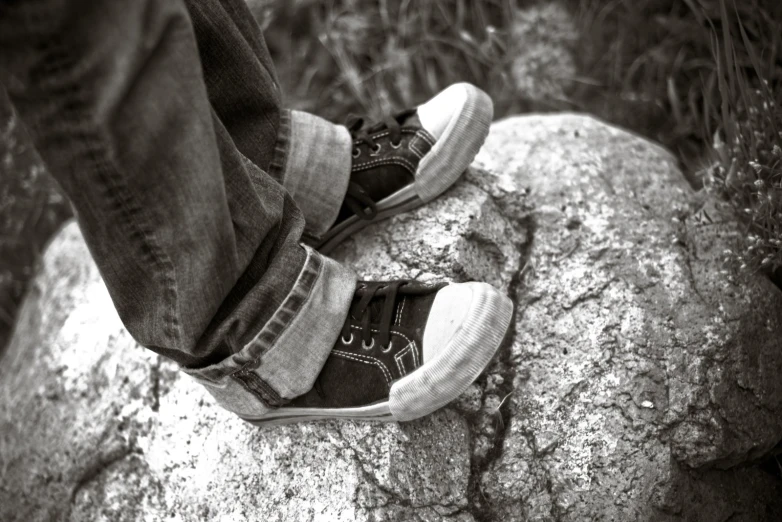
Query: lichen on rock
x,y
636,384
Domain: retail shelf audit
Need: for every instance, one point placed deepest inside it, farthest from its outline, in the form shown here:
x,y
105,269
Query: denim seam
x,y
261,389
280,158
291,306
310,238
123,200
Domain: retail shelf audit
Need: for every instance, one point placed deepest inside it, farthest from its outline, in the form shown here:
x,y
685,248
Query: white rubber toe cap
x,y
459,119
450,311
466,325
437,113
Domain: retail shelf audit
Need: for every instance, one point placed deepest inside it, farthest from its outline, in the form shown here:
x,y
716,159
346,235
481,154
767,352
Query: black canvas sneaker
x,y
408,160
405,350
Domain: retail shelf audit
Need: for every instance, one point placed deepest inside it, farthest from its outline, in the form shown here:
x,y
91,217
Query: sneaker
x,y
409,159
405,350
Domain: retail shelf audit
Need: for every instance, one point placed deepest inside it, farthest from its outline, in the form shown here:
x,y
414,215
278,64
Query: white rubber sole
x,y
379,411
450,156
466,326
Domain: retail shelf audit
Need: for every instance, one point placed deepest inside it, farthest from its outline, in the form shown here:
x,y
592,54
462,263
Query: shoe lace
x,y
358,131
356,197
360,311
359,202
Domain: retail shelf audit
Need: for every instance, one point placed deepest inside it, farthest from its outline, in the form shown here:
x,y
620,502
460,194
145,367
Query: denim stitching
x,y
259,388
118,190
287,311
279,163
245,375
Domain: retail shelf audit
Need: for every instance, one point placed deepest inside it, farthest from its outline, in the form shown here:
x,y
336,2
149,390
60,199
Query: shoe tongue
x,y
411,120
407,118
376,309
416,308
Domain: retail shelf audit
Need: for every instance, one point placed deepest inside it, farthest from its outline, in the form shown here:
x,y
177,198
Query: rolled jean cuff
x,y
317,170
284,358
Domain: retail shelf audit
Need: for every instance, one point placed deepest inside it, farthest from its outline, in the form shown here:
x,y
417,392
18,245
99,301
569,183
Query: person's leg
x,y
240,79
198,246
370,172
242,87
399,356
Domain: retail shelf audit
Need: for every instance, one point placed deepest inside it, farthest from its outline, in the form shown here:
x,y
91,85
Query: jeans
x,y
193,187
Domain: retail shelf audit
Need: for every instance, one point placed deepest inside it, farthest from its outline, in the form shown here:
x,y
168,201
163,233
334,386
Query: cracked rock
x,y
656,376
572,218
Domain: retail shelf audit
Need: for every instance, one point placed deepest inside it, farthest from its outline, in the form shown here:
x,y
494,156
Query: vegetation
x,y
747,166
703,77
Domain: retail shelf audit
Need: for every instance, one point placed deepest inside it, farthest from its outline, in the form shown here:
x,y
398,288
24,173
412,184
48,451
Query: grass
x,y
703,77
747,166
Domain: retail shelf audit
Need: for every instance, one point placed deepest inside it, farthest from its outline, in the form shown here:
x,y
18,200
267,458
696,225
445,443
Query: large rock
x,y
638,383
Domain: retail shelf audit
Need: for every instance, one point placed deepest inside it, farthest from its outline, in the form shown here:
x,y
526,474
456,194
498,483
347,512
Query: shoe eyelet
x,y
396,145
356,152
376,148
348,340
388,348
368,346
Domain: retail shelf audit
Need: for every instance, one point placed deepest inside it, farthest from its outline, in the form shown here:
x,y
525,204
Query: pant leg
x,y
242,86
239,75
198,246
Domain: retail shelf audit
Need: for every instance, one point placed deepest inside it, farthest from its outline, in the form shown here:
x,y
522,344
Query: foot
x,y
406,350
410,159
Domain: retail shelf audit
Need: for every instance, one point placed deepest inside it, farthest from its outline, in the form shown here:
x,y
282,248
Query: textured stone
x,y
636,383
640,359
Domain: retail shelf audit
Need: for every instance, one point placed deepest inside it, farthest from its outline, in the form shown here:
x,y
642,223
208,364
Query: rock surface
x,y
637,383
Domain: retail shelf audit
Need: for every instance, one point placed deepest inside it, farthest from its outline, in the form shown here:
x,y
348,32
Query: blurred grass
x,y
677,71
746,169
